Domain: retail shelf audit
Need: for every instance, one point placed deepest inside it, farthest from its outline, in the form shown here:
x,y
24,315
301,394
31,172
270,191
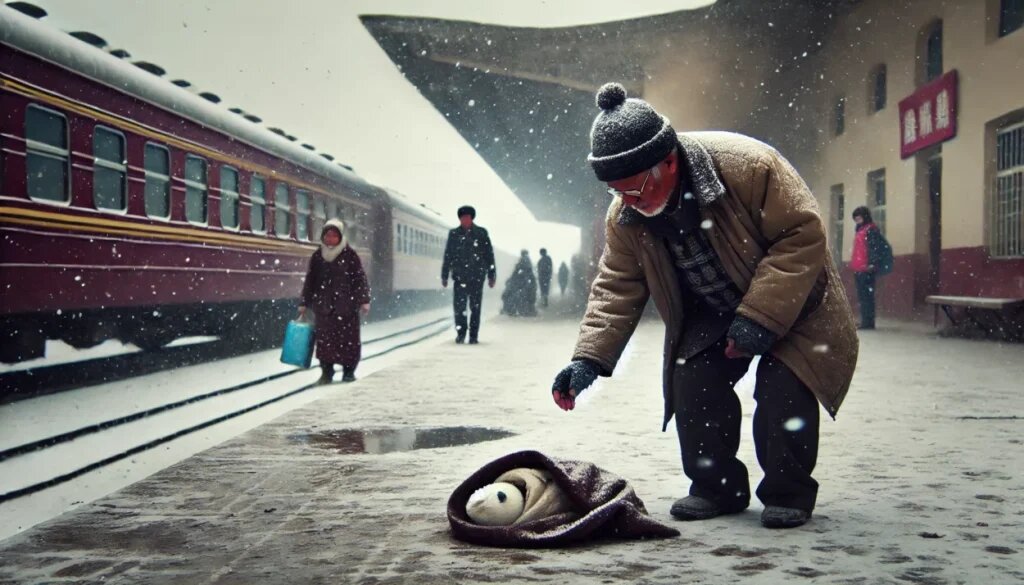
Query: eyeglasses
x,y
631,192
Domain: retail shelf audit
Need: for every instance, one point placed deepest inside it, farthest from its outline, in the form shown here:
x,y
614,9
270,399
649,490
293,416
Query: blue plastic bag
x,y
298,344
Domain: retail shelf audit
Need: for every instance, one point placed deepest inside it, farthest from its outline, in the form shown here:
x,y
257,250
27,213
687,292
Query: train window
x,y
158,181
302,215
195,189
319,216
332,210
228,197
46,154
282,213
258,203
109,171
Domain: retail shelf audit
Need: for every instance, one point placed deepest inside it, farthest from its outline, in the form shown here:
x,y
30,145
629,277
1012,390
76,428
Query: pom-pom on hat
x,y
628,136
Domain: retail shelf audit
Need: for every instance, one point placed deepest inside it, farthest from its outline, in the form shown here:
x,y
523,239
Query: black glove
x,y
750,337
578,375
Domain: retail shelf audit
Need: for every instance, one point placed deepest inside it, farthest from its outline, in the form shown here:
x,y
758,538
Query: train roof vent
x,y
182,83
290,137
120,53
252,118
345,166
28,9
327,156
308,147
88,37
278,131
235,110
151,68
210,97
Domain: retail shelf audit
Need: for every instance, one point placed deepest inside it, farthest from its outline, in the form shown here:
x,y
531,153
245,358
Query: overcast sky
x,y
310,67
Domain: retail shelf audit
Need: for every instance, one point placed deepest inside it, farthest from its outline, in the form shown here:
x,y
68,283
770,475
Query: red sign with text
x,y
928,116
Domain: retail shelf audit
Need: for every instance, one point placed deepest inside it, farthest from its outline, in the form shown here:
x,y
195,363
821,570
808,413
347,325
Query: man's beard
x,y
656,212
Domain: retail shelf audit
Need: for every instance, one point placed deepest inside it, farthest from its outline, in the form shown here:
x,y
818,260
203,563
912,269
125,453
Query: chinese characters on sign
x,y
928,116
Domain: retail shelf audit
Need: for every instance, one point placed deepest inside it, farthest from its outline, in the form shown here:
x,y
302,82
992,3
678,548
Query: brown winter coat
x,y
765,228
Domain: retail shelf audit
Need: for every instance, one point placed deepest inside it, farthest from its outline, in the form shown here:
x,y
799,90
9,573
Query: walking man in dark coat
x,y
544,271
468,258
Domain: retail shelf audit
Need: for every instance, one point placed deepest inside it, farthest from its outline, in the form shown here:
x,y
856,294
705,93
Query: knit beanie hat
x,y
628,136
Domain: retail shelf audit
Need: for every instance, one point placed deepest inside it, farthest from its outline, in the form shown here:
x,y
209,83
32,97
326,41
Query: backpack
x,y
882,253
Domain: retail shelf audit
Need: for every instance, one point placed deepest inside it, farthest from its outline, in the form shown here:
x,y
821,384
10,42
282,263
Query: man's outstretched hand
x,y
573,379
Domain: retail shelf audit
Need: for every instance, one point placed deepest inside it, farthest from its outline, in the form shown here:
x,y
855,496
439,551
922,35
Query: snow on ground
x,y
45,416
921,480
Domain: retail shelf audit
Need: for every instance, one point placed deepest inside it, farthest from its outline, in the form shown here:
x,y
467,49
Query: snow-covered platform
x,y
922,479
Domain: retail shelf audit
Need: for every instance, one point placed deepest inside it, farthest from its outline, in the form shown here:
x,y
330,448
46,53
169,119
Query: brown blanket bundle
x,y
585,503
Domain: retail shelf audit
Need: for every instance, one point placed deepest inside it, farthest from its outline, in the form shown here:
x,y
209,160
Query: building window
x,y
282,212
839,116
157,163
46,154
257,204
876,197
302,215
933,54
1011,16
838,215
319,217
195,189
109,170
879,88
1007,227
228,197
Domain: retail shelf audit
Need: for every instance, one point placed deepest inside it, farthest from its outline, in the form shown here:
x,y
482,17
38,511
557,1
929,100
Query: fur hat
x,y
467,210
628,136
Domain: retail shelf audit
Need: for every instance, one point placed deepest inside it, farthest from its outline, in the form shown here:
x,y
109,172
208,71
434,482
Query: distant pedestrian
x,y
544,271
563,277
872,257
579,289
336,288
469,259
519,299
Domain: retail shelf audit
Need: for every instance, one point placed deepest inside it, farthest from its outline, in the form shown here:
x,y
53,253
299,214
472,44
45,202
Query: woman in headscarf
x,y
336,288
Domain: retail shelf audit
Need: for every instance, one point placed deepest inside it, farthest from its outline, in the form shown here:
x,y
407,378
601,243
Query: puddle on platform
x,y
376,441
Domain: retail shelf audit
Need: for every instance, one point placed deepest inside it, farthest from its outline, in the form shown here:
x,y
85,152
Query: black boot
x,y
328,374
780,517
698,508
348,375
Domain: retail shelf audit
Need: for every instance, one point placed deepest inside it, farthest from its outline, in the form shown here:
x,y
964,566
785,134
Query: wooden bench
x,y
1001,318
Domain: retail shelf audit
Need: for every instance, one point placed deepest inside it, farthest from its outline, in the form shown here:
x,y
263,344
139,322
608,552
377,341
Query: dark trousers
x,y
545,287
866,298
473,293
708,416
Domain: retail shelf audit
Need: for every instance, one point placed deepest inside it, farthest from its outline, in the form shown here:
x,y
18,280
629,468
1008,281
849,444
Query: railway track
x,y
122,425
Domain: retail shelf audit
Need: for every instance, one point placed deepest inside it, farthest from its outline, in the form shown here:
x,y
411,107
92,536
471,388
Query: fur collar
x,y
331,253
702,178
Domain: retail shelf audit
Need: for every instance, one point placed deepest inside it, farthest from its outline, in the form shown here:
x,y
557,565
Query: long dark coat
x,y
335,291
763,224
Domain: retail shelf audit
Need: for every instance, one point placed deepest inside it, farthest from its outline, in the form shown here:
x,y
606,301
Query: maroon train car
x,y
132,209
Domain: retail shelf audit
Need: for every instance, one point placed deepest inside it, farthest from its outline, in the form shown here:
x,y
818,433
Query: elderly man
x,y
723,234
